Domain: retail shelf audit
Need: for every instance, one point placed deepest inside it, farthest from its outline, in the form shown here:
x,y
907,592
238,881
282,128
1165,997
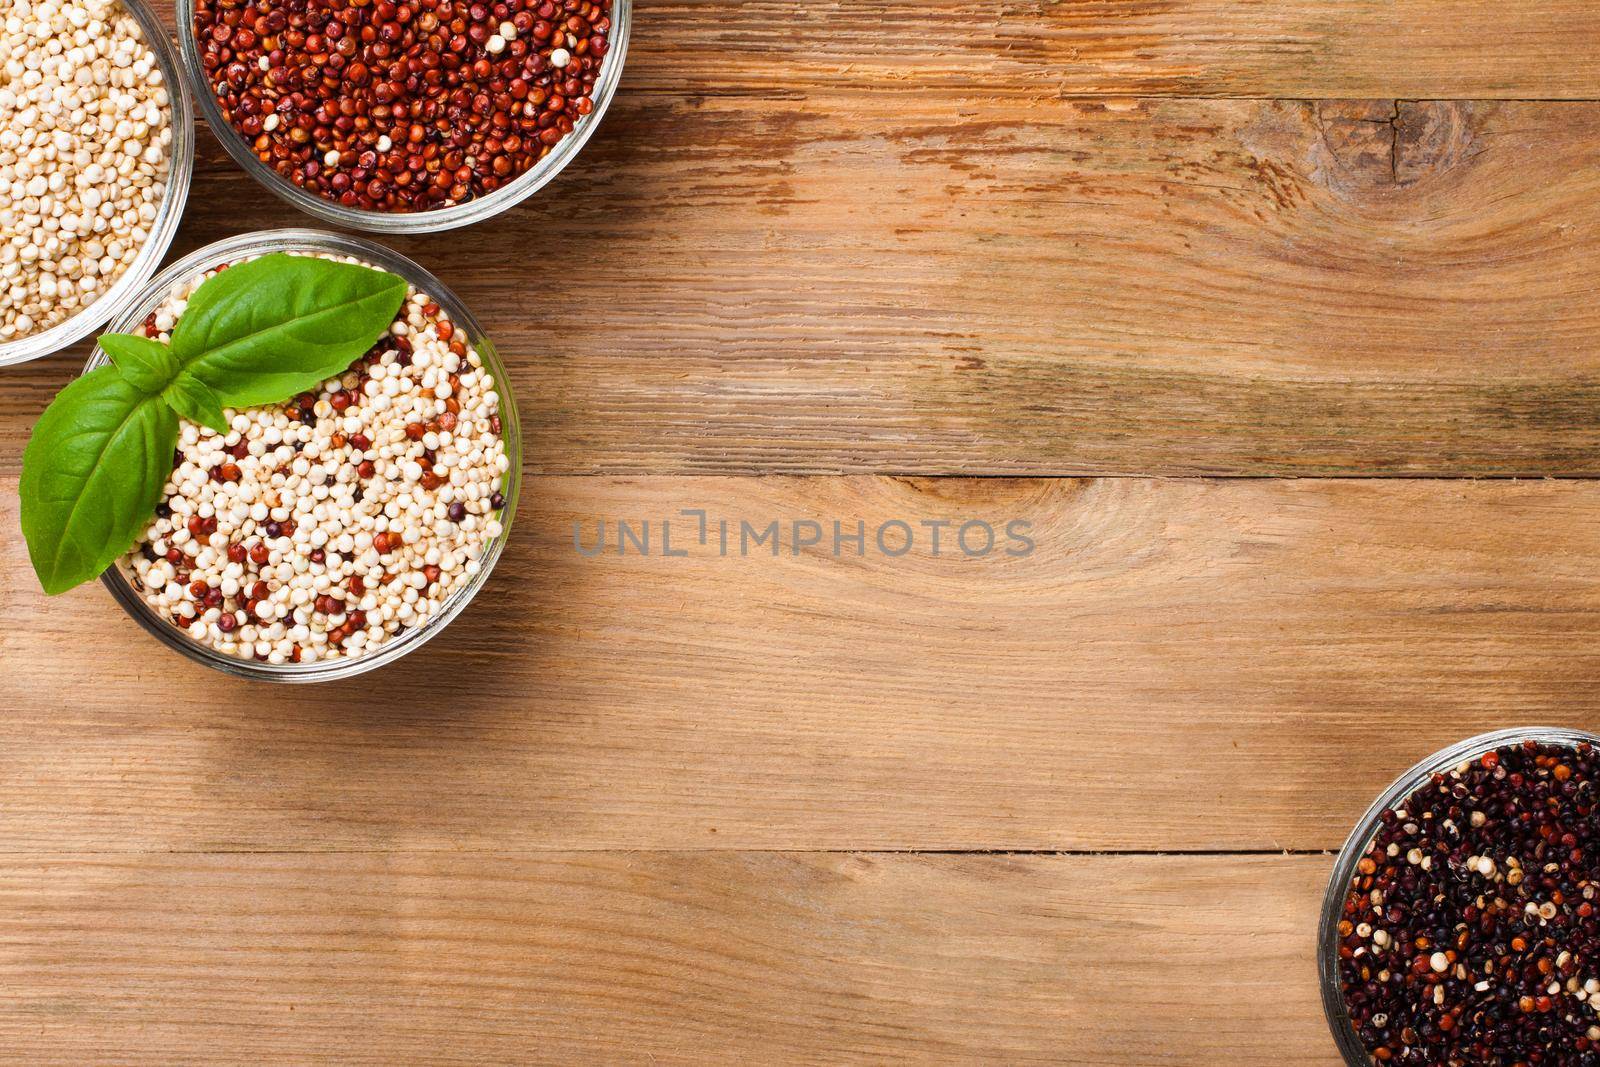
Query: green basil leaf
x,y
262,331
92,476
147,365
194,400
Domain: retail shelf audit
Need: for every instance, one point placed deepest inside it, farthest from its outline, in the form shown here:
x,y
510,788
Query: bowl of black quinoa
x,y
1461,927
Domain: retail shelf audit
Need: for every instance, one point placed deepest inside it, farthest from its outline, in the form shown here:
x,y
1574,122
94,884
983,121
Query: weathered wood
x,y
660,958
1178,665
1233,287
1532,49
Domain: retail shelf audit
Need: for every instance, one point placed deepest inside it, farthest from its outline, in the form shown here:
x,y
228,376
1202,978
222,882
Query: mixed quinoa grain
x,y
403,106
85,144
327,526
1470,934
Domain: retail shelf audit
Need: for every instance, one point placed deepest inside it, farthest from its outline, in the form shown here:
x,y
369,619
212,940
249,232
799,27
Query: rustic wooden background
x,y
1130,269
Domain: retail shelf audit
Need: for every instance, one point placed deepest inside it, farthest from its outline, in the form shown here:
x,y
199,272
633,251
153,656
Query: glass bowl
x,y
446,218
1344,1033
180,118
116,577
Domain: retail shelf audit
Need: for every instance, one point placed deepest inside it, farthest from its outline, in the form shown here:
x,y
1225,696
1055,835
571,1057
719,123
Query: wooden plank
x,y
660,958
1438,49
1179,665
1538,49
1170,287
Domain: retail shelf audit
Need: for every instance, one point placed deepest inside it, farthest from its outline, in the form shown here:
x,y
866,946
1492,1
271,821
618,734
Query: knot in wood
x,y
1381,145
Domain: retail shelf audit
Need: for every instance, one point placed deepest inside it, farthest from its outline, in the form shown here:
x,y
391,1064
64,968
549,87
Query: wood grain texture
x,y
912,285
661,958
1045,49
1180,665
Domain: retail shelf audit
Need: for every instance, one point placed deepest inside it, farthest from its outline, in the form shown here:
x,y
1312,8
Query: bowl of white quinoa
x,y
336,532
96,150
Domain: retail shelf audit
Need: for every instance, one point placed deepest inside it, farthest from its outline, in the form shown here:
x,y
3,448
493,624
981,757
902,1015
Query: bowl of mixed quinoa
x,y
333,533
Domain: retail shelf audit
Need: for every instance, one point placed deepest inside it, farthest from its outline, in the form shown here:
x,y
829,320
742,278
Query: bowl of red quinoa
x,y
404,117
334,533
1462,922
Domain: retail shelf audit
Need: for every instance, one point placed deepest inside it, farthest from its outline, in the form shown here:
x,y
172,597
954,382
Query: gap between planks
x,y
689,851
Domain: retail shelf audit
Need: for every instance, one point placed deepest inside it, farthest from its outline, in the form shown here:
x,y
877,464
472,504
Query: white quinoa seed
x,y
376,541
85,146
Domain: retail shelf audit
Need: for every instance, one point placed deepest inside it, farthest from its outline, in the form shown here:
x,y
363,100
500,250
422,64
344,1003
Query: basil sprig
x,y
257,333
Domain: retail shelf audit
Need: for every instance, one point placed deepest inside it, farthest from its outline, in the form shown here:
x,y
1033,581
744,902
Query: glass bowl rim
x,y
131,283
1355,846
295,240
380,222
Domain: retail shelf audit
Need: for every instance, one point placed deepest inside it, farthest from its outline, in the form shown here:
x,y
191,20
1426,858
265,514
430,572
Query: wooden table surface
x,y
1189,285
